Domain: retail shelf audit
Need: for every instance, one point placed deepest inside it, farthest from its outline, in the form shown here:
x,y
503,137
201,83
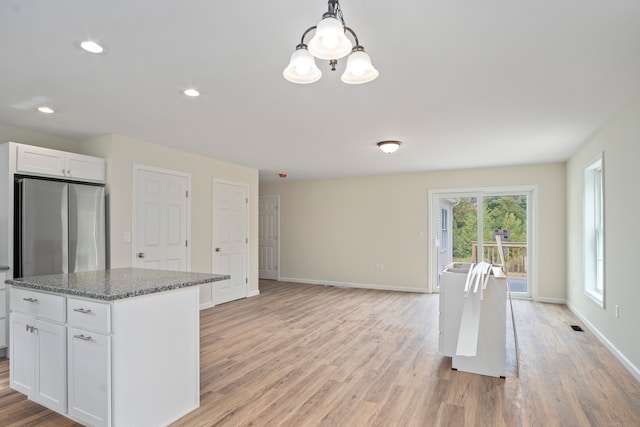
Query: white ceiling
x,y
463,83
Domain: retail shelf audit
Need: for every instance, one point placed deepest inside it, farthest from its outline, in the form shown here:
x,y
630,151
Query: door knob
x,y
140,254
218,249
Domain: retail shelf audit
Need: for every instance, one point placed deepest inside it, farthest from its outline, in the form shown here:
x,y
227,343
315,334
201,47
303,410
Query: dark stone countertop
x,y
4,267
120,283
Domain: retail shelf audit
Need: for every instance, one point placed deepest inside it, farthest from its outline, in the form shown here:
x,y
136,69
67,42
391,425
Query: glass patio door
x,y
465,225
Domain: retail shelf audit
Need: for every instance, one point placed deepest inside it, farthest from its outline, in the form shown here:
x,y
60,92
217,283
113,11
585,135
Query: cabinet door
x,y
3,318
51,366
89,376
3,311
82,167
41,161
23,354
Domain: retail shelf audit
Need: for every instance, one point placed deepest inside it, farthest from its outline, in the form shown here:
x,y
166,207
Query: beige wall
x,y
620,142
122,153
23,136
338,230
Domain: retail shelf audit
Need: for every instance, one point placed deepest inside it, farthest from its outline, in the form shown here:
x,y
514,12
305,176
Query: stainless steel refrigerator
x,y
59,227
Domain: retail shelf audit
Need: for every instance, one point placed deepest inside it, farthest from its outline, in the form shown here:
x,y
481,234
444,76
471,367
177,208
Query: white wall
x,y
338,230
619,140
122,152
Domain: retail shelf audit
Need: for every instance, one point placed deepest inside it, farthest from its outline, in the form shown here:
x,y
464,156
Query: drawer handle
x,y
82,337
82,310
31,299
31,329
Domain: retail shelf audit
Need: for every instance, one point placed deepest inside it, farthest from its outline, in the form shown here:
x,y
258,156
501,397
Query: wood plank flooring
x,y
305,355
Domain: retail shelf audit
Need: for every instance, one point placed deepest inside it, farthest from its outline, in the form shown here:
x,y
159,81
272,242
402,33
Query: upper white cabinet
x,y
61,164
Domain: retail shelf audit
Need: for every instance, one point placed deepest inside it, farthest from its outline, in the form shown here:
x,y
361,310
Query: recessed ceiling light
x,y
191,92
91,46
46,110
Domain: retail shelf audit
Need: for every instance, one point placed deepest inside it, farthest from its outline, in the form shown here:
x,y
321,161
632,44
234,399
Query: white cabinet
x,y
128,362
45,161
89,352
39,361
3,310
38,365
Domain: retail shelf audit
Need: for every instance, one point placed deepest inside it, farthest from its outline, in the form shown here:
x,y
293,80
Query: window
x,y
444,229
594,230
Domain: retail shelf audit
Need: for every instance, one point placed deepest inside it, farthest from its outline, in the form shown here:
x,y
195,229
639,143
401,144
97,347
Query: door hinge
x,y
186,243
187,193
246,280
246,200
246,240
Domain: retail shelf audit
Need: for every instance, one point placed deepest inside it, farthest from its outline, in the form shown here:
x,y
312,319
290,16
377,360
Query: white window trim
x,y
590,217
444,229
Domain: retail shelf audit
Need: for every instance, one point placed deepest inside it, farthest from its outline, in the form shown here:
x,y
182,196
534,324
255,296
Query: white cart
x,y
473,325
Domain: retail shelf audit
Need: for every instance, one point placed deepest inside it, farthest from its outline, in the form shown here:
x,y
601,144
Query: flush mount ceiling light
x,y
91,46
45,110
389,146
191,92
330,42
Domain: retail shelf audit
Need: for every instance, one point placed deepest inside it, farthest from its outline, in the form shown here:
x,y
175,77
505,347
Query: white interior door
x,y
230,240
268,237
161,219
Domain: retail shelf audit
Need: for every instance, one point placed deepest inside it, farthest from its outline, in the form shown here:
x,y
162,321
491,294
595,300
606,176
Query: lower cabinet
x,y
129,362
39,360
89,377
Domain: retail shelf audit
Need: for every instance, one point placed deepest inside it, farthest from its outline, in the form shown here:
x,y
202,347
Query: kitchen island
x,y
109,348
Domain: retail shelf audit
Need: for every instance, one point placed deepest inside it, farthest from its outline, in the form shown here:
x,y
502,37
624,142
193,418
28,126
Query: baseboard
x,y
206,305
352,285
619,355
253,293
550,300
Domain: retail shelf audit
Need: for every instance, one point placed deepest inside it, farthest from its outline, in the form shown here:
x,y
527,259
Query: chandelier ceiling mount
x,y
330,42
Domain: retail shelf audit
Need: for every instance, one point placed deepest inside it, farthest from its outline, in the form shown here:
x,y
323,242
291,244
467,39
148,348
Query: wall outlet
x,y
617,311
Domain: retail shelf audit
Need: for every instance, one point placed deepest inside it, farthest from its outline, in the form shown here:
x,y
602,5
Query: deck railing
x,y
515,256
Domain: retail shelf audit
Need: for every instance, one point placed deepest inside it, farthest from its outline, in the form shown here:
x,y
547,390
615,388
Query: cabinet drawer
x,y
39,304
91,315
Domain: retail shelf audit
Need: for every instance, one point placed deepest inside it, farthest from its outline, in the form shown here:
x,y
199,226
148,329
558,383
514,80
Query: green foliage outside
x,y
506,212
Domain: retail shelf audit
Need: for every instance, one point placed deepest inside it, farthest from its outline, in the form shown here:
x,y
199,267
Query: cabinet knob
x,y
140,254
218,249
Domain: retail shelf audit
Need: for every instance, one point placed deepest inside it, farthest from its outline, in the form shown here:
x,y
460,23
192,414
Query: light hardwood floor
x,y
305,355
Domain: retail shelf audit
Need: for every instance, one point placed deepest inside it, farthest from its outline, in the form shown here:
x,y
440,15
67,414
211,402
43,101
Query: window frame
x,y
594,230
444,228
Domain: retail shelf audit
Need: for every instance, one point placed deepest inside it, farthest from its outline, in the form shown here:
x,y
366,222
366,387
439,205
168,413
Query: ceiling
x,y
462,83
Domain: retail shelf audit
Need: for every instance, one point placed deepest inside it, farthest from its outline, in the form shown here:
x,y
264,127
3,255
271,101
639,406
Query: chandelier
x,y
330,42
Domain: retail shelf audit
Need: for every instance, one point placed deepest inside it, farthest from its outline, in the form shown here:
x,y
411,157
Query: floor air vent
x,y
577,328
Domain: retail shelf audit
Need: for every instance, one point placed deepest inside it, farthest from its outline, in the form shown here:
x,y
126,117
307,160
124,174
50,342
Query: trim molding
x,y
550,300
352,285
206,305
253,293
634,370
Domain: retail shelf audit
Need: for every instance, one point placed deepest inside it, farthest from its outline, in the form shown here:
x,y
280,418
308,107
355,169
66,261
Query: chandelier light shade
x,y
330,42
389,146
359,68
302,68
